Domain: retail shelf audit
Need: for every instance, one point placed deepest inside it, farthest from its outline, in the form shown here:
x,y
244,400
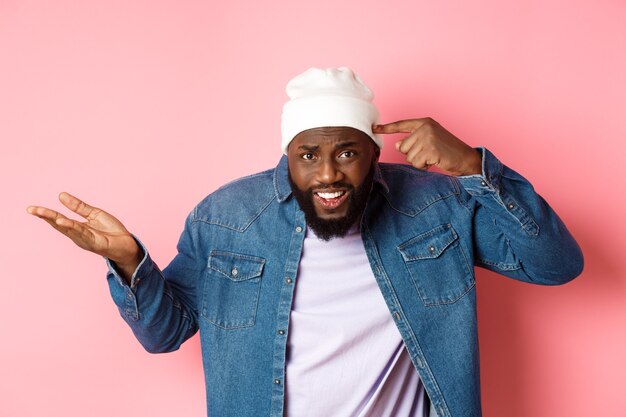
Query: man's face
x,y
331,171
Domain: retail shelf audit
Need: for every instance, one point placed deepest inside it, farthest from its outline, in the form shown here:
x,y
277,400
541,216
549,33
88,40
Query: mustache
x,y
341,185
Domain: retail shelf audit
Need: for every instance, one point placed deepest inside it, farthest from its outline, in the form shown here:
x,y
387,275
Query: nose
x,y
328,172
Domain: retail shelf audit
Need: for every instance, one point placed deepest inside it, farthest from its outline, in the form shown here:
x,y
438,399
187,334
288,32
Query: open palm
x,y
101,233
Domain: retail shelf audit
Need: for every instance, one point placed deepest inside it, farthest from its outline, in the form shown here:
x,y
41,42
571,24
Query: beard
x,y
327,229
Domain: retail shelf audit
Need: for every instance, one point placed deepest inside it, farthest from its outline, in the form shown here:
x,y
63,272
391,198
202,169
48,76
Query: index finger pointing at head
x,y
401,126
76,205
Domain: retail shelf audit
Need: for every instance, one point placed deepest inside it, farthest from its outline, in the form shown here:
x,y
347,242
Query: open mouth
x,y
330,199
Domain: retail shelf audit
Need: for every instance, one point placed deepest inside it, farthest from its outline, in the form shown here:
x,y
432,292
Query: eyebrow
x,y
340,145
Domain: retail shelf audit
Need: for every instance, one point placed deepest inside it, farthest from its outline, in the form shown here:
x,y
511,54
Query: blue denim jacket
x,y
236,268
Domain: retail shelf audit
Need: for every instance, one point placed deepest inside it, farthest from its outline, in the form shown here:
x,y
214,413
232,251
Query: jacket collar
x,y
282,188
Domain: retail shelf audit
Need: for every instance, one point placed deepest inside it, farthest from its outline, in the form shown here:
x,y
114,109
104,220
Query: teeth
x,y
331,195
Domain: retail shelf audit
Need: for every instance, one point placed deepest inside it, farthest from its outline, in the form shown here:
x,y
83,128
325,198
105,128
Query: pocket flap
x,y
236,266
428,245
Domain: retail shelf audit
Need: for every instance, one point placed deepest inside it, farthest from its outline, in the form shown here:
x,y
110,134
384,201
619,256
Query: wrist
x,y
126,268
474,163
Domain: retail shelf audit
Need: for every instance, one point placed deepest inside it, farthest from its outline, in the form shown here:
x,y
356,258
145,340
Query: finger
x,y
420,161
45,213
57,222
401,126
81,235
70,228
77,205
54,223
54,218
421,158
415,157
407,143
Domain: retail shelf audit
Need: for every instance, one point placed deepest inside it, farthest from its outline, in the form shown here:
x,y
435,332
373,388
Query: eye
x,y
346,154
308,156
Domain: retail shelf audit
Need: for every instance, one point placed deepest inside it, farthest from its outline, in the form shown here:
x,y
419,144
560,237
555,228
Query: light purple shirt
x,y
345,355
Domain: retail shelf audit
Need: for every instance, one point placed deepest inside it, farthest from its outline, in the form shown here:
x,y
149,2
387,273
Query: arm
x,y
160,312
101,233
160,306
516,233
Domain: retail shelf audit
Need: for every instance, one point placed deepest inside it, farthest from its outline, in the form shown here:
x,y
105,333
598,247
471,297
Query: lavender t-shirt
x,y
345,354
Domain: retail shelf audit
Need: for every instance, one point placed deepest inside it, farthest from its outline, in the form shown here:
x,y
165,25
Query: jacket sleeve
x,y
160,306
516,233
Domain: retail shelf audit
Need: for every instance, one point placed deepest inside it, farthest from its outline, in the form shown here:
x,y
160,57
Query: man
x,y
334,285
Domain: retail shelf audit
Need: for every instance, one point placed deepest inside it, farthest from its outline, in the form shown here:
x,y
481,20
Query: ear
x,y
376,152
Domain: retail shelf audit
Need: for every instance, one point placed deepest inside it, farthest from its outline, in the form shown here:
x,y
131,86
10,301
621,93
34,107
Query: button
x,y
288,280
396,315
277,381
234,272
483,183
510,206
298,229
431,248
281,332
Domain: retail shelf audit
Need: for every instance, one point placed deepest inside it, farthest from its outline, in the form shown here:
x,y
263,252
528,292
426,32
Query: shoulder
x,y
236,204
411,190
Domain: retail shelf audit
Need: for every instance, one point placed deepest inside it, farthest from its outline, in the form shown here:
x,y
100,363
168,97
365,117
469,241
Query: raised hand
x,y
428,144
101,233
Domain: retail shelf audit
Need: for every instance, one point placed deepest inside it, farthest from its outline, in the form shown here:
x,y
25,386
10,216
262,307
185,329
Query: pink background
x,y
144,107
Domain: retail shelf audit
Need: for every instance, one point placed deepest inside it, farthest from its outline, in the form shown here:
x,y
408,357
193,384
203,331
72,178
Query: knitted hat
x,y
328,97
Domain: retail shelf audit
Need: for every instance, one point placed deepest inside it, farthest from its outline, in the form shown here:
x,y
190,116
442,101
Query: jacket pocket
x,y
230,295
437,265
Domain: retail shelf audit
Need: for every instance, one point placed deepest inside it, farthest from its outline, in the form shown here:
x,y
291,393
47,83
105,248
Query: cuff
x,y
489,180
488,185
141,271
123,294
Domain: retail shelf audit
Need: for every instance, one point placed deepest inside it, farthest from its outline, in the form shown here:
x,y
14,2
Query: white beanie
x,y
328,97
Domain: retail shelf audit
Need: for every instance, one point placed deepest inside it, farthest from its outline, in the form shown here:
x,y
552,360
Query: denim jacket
x,y
236,269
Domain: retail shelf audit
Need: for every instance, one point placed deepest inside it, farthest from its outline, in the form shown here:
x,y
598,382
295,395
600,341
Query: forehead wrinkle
x,y
330,137
332,131
333,143
306,147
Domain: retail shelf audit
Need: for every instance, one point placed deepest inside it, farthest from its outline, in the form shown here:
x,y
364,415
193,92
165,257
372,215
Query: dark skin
x,y
323,156
430,144
327,160
318,158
